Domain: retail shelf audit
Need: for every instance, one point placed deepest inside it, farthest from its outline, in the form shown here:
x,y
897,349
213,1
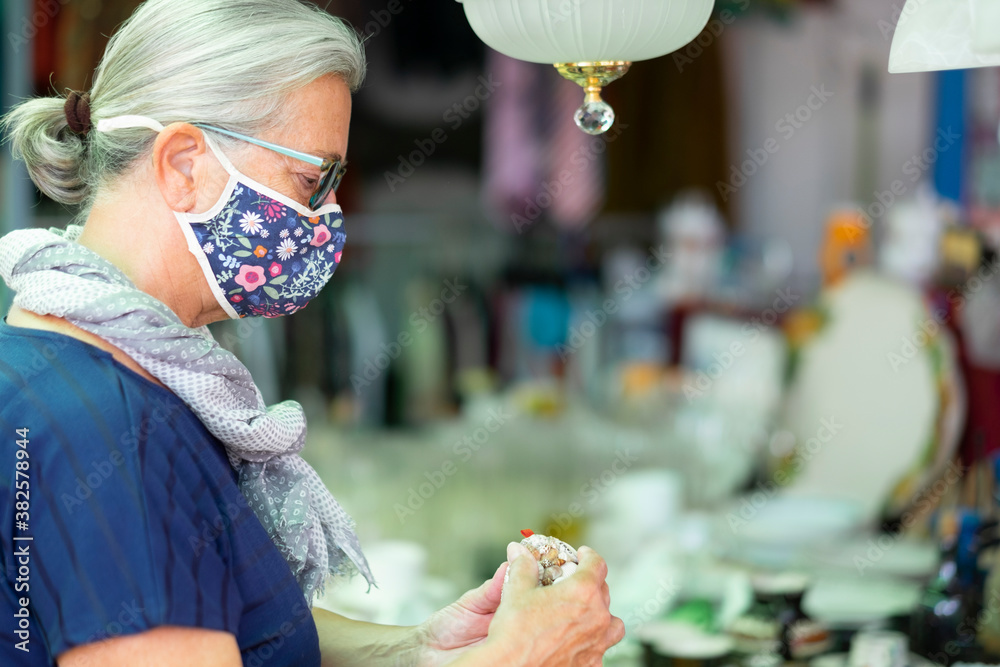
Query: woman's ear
x,y
185,171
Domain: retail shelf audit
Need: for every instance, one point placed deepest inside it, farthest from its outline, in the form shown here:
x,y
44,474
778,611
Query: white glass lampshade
x,y
591,42
570,31
946,34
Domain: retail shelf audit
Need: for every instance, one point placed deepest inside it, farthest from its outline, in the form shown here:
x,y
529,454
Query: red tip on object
x,y
527,533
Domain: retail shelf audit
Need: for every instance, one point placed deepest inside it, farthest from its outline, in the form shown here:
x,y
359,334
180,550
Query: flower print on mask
x,y
250,223
286,249
321,234
271,209
250,277
254,272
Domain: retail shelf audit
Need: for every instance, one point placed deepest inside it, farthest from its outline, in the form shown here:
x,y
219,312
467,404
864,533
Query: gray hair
x,y
230,63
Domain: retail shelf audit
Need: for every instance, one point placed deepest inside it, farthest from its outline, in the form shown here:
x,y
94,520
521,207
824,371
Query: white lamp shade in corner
x,y
570,31
946,34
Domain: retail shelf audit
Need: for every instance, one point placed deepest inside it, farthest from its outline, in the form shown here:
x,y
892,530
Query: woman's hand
x,y
567,623
564,624
461,626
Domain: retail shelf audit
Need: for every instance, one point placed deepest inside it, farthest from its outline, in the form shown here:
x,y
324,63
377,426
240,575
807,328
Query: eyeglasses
x,y
331,171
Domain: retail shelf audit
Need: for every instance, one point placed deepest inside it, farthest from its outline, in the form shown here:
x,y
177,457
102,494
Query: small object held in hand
x,y
556,559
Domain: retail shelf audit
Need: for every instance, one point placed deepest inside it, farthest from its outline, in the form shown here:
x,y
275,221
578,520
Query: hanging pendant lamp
x,y
590,42
946,34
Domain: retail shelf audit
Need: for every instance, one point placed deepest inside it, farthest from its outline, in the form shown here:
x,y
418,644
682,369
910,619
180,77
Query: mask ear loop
x,y
226,164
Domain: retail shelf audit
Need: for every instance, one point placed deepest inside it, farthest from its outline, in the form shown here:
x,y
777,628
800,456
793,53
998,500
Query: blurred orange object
x,y
801,325
846,246
639,379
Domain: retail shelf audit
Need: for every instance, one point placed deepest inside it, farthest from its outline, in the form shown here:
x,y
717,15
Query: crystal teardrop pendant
x,y
595,116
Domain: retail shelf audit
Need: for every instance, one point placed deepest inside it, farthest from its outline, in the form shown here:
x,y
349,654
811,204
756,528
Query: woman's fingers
x,y
486,598
568,623
522,570
590,560
616,632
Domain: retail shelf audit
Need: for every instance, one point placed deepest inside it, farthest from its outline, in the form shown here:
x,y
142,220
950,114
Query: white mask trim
x,y
263,189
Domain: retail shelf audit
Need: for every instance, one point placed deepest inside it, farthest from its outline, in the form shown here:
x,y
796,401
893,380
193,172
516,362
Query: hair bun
x,y
78,112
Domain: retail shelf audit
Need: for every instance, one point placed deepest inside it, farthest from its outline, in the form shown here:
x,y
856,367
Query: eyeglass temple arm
x,y
305,157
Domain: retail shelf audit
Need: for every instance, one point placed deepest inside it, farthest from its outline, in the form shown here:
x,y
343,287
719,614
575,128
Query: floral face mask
x,y
262,253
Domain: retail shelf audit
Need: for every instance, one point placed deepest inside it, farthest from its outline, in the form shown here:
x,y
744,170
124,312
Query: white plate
x,y
840,660
798,521
851,601
681,640
901,557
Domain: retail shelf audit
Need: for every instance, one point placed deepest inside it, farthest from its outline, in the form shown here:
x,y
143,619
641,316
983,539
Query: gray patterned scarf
x,y
53,275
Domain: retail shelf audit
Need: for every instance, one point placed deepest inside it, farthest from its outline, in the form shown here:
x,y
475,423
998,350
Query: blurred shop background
x,y
746,344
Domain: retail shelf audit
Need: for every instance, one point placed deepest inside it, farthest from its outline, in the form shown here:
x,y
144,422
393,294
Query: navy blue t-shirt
x,y
133,514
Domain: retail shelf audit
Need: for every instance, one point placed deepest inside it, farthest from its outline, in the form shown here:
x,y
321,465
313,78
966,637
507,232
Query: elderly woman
x,y
156,512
